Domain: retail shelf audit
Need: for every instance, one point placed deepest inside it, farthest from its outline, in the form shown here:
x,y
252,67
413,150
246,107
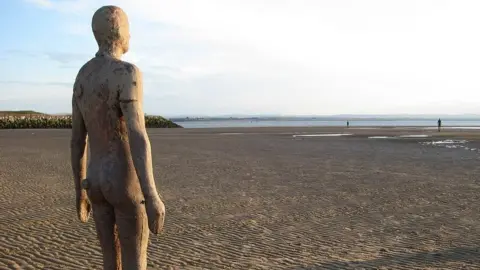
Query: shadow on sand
x,y
455,258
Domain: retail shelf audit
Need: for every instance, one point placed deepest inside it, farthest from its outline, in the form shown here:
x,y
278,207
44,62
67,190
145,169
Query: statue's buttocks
x,y
107,105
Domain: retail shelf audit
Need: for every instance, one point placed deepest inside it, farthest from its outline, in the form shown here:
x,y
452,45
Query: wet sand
x,y
260,198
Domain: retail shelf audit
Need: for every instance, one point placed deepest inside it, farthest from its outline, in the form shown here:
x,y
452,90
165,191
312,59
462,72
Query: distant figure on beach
x,y
439,124
348,124
119,184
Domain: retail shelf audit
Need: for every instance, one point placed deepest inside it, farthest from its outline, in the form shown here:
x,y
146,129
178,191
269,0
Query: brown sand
x,y
259,200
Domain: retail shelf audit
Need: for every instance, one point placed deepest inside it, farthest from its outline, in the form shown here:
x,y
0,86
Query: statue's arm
x,y
78,145
131,99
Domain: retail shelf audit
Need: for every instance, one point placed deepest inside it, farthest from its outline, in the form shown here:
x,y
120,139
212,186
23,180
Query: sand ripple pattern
x,y
257,202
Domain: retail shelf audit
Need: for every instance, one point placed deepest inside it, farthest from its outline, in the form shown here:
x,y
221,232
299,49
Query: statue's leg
x,y
133,233
107,233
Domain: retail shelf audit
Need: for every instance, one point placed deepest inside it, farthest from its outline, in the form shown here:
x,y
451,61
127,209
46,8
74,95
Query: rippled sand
x,y
259,199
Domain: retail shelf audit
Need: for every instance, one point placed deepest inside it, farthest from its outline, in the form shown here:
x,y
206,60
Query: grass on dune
x,y
32,119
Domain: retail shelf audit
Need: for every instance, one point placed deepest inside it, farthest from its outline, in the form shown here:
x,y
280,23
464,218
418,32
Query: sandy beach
x,y
262,198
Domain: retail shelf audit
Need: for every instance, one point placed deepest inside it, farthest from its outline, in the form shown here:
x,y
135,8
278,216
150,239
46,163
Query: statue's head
x,y
111,29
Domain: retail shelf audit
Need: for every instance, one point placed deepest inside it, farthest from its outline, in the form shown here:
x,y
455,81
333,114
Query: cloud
x,y
66,6
184,31
65,84
67,57
77,29
41,3
56,93
20,53
46,105
64,58
295,56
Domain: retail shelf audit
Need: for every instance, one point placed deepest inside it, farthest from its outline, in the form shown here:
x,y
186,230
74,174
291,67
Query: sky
x,y
283,57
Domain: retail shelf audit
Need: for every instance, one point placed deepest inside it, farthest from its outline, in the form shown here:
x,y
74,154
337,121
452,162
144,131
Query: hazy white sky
x,y
215,57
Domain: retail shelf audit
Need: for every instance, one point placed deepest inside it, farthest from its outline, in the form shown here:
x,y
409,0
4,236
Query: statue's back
x,y
97,92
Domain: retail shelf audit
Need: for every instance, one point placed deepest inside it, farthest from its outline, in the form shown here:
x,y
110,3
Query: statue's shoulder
x,y
126,70
129,76
82,71
79,79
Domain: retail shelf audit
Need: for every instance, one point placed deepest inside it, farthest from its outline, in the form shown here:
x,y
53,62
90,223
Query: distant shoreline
x,y
353,119
361,123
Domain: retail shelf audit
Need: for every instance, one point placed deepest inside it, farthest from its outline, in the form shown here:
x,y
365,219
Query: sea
x,y
467,124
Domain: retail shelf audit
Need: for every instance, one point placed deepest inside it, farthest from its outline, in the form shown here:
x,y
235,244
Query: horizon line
x,y
236,115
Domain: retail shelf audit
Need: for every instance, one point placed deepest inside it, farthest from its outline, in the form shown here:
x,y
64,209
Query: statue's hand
x,y
84,208
155,213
